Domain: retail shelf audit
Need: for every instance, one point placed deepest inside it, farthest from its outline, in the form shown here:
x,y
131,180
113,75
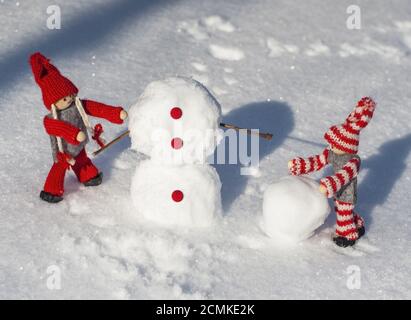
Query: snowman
x,y
175,122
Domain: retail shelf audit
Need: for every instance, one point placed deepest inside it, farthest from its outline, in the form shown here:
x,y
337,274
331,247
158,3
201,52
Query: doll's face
x,y
64,103
338,151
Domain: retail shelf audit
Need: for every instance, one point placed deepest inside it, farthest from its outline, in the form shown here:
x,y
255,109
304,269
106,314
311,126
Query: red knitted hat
x,y
53,85
346,137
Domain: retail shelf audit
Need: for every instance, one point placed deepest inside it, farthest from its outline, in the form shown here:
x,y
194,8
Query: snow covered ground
x,y
287,67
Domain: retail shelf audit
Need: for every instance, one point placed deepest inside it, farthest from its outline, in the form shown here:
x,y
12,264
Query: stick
x,y
121,136
266,136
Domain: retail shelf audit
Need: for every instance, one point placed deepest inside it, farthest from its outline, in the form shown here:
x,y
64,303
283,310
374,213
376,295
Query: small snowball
x,y
293,208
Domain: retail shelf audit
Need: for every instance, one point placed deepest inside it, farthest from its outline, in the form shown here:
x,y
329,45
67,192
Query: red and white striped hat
x,y
346,137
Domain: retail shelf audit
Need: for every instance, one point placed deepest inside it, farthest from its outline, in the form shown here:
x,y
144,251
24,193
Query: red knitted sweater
x,y
69,132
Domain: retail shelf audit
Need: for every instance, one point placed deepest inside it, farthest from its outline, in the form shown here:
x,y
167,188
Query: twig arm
x,y
266,136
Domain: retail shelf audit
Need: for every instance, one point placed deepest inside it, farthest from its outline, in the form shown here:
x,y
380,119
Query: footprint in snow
x,y
226,53
204,28
193,29
218,23
277,49
317,49
370,47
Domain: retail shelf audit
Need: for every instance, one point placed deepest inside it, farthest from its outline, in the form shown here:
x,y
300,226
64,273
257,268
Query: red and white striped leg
x,y
346,226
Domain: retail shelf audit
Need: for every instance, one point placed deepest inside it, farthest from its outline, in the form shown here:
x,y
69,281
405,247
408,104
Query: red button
x,y
176,113
176,143
177,196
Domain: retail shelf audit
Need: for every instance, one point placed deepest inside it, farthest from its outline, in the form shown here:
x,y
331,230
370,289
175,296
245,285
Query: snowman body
x,y
176,123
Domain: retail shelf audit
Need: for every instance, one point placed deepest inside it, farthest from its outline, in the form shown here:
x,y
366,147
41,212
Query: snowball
x,y
176,120
293,208
187,195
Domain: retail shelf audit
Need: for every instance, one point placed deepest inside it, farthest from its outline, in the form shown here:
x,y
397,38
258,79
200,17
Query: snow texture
x,y
293,208
111,50
152,126
153,185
